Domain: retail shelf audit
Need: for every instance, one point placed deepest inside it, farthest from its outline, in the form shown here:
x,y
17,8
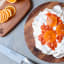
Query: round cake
x,y
44,32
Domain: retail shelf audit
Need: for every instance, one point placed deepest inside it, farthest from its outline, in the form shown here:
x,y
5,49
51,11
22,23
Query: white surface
x,y
15,40
5,60
13,55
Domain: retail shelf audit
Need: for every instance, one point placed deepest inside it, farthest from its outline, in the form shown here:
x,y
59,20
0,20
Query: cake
x,y
44,32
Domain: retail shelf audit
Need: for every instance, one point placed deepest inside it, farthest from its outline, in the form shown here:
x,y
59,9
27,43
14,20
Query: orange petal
x,y
49,45
40,37
52,20
43,42
55,44
60,29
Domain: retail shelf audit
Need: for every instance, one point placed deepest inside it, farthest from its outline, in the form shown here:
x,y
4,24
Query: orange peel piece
x,y
51,20
60,29
11,1
50,36
12,8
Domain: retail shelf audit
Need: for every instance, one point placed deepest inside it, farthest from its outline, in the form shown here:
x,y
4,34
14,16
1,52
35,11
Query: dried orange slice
x,y
12,8
60,29
5,15
11,1
50,36
6,12
9,12
51,20
1,17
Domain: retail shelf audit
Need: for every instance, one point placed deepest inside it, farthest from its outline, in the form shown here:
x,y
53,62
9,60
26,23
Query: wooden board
x,y
22,7
28,32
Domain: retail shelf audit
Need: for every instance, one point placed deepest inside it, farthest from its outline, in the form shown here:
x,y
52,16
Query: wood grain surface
x,y
22,7
28,32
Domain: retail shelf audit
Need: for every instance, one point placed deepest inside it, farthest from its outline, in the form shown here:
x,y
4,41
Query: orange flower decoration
x,y
48,36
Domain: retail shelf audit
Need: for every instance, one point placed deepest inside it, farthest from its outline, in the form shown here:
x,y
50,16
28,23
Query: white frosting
x,y
38,21
1,2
